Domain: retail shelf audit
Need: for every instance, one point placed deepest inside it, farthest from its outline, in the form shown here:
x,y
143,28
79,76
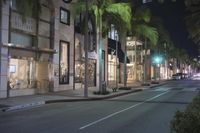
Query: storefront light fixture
x,y
10,44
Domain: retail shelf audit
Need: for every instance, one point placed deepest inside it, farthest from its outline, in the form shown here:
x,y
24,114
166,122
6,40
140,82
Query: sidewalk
x,y
20,102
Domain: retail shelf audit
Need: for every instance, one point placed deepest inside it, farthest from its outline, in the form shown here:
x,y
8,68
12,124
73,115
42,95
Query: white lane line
x,y
161,89
111,115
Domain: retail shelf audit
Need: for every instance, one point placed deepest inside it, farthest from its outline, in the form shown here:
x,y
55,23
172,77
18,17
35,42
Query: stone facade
x,y
39,54
48,32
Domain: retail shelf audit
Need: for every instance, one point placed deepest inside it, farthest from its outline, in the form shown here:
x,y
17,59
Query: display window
x,y
22,73
64,63
111,67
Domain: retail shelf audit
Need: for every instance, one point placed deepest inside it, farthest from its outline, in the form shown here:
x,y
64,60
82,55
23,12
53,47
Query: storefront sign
x,y
29,25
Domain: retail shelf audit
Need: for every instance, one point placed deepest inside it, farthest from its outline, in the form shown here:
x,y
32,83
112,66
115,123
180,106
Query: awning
x,y
112,50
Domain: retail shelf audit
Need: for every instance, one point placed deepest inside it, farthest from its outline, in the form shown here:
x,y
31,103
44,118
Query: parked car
x,y
176,76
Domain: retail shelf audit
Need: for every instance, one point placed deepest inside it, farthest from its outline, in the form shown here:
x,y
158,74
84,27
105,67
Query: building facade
x,y
37,54
45,52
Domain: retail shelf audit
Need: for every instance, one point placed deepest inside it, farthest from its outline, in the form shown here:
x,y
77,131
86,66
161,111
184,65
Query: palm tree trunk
x,y
99,42
125,67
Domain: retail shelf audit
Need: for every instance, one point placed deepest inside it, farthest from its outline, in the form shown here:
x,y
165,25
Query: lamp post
x,y
86,51
116,59
157,61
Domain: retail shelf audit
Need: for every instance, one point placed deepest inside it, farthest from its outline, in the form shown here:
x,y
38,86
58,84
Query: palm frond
x,y
78,8
148,32
142,14
193,19
121,10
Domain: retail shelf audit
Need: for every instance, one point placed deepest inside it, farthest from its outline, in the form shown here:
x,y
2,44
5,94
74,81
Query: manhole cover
x,y
176,88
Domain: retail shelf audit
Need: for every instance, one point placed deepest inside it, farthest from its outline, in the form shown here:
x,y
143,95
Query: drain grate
x,y
177,88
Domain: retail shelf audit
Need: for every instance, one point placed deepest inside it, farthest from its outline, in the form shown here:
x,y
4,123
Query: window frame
x,y
68,17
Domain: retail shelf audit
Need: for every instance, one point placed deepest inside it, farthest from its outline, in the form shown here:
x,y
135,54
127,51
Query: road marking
x,y
161,89
111,115
175,89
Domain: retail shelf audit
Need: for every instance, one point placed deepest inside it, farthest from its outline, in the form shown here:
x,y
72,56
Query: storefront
x,y
115,63
80,65
30,52
29,71
112,65
134,68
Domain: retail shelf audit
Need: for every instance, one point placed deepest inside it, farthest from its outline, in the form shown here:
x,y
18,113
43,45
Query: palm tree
x,y
193,19
122,27
100,8
164,40
143,30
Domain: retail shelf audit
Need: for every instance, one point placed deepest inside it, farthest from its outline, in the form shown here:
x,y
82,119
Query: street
x,y
148,111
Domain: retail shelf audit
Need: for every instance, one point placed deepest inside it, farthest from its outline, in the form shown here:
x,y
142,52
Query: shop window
x,y
22,73
64,63
22,39
79,72
13,4
64,16
111,68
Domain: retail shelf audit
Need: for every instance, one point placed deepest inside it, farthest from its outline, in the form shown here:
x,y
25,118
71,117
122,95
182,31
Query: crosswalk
x,y
162,89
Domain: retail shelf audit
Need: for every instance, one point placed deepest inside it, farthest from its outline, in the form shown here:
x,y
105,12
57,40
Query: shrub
x,y
188,121
114,89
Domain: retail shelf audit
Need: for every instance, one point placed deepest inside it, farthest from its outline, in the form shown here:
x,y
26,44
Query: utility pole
x,y
135,68
116,59
145,60
86,51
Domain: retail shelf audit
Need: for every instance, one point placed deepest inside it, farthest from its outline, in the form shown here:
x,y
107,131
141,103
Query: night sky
x,y
173,14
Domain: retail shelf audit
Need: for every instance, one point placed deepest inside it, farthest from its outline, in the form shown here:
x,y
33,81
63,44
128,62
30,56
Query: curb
x,y
91,99
23,106
34,104
157,85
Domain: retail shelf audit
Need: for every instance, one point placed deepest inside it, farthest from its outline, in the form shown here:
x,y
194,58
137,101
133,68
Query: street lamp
x,y
157,59
86,51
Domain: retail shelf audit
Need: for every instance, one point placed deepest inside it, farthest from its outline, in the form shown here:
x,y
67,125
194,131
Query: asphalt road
x,y
149,111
